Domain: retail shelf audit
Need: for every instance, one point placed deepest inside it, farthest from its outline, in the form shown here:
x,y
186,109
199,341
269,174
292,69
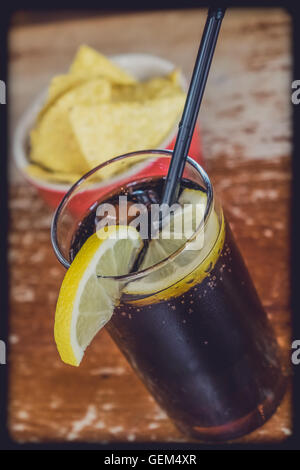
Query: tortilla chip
x,y
38,172
160,87
112,129
78,89
60,85
53,144
89,61
174,77
95,91
157,87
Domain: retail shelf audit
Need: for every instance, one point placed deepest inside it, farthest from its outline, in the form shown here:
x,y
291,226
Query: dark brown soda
x,y
209,355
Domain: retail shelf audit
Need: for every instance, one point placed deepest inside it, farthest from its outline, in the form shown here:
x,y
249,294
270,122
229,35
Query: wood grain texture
x,y
245,123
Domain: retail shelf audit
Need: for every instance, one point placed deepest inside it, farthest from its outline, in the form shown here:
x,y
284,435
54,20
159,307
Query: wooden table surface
x,y
245,121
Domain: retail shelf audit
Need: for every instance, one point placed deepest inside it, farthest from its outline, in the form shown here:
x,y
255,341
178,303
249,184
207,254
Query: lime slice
x,y
86,302
191,265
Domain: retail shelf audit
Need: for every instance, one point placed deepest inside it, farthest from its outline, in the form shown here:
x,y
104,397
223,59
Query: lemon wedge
x,y
191,265
86,301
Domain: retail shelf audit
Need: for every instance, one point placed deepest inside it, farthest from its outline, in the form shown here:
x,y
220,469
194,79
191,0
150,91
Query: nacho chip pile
x,y
98,111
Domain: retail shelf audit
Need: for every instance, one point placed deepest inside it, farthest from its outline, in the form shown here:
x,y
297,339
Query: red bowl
x,y
142,66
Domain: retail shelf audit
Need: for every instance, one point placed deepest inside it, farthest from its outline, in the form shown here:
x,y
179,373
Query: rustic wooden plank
x,y
245,126
103,400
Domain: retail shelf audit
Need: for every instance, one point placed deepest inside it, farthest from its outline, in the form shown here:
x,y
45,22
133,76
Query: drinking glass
x,y
192,325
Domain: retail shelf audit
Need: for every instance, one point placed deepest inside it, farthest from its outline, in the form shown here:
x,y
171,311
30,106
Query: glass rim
x,y
143,272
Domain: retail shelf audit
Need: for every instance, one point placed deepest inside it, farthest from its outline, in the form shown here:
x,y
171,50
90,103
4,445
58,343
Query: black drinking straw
x,y
192,104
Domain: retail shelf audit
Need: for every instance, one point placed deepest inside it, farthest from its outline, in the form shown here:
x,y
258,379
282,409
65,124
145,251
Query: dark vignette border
x,y
6,443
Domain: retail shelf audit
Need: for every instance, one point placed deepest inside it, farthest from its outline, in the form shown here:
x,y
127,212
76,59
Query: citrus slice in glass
x,y
192,264
86,301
